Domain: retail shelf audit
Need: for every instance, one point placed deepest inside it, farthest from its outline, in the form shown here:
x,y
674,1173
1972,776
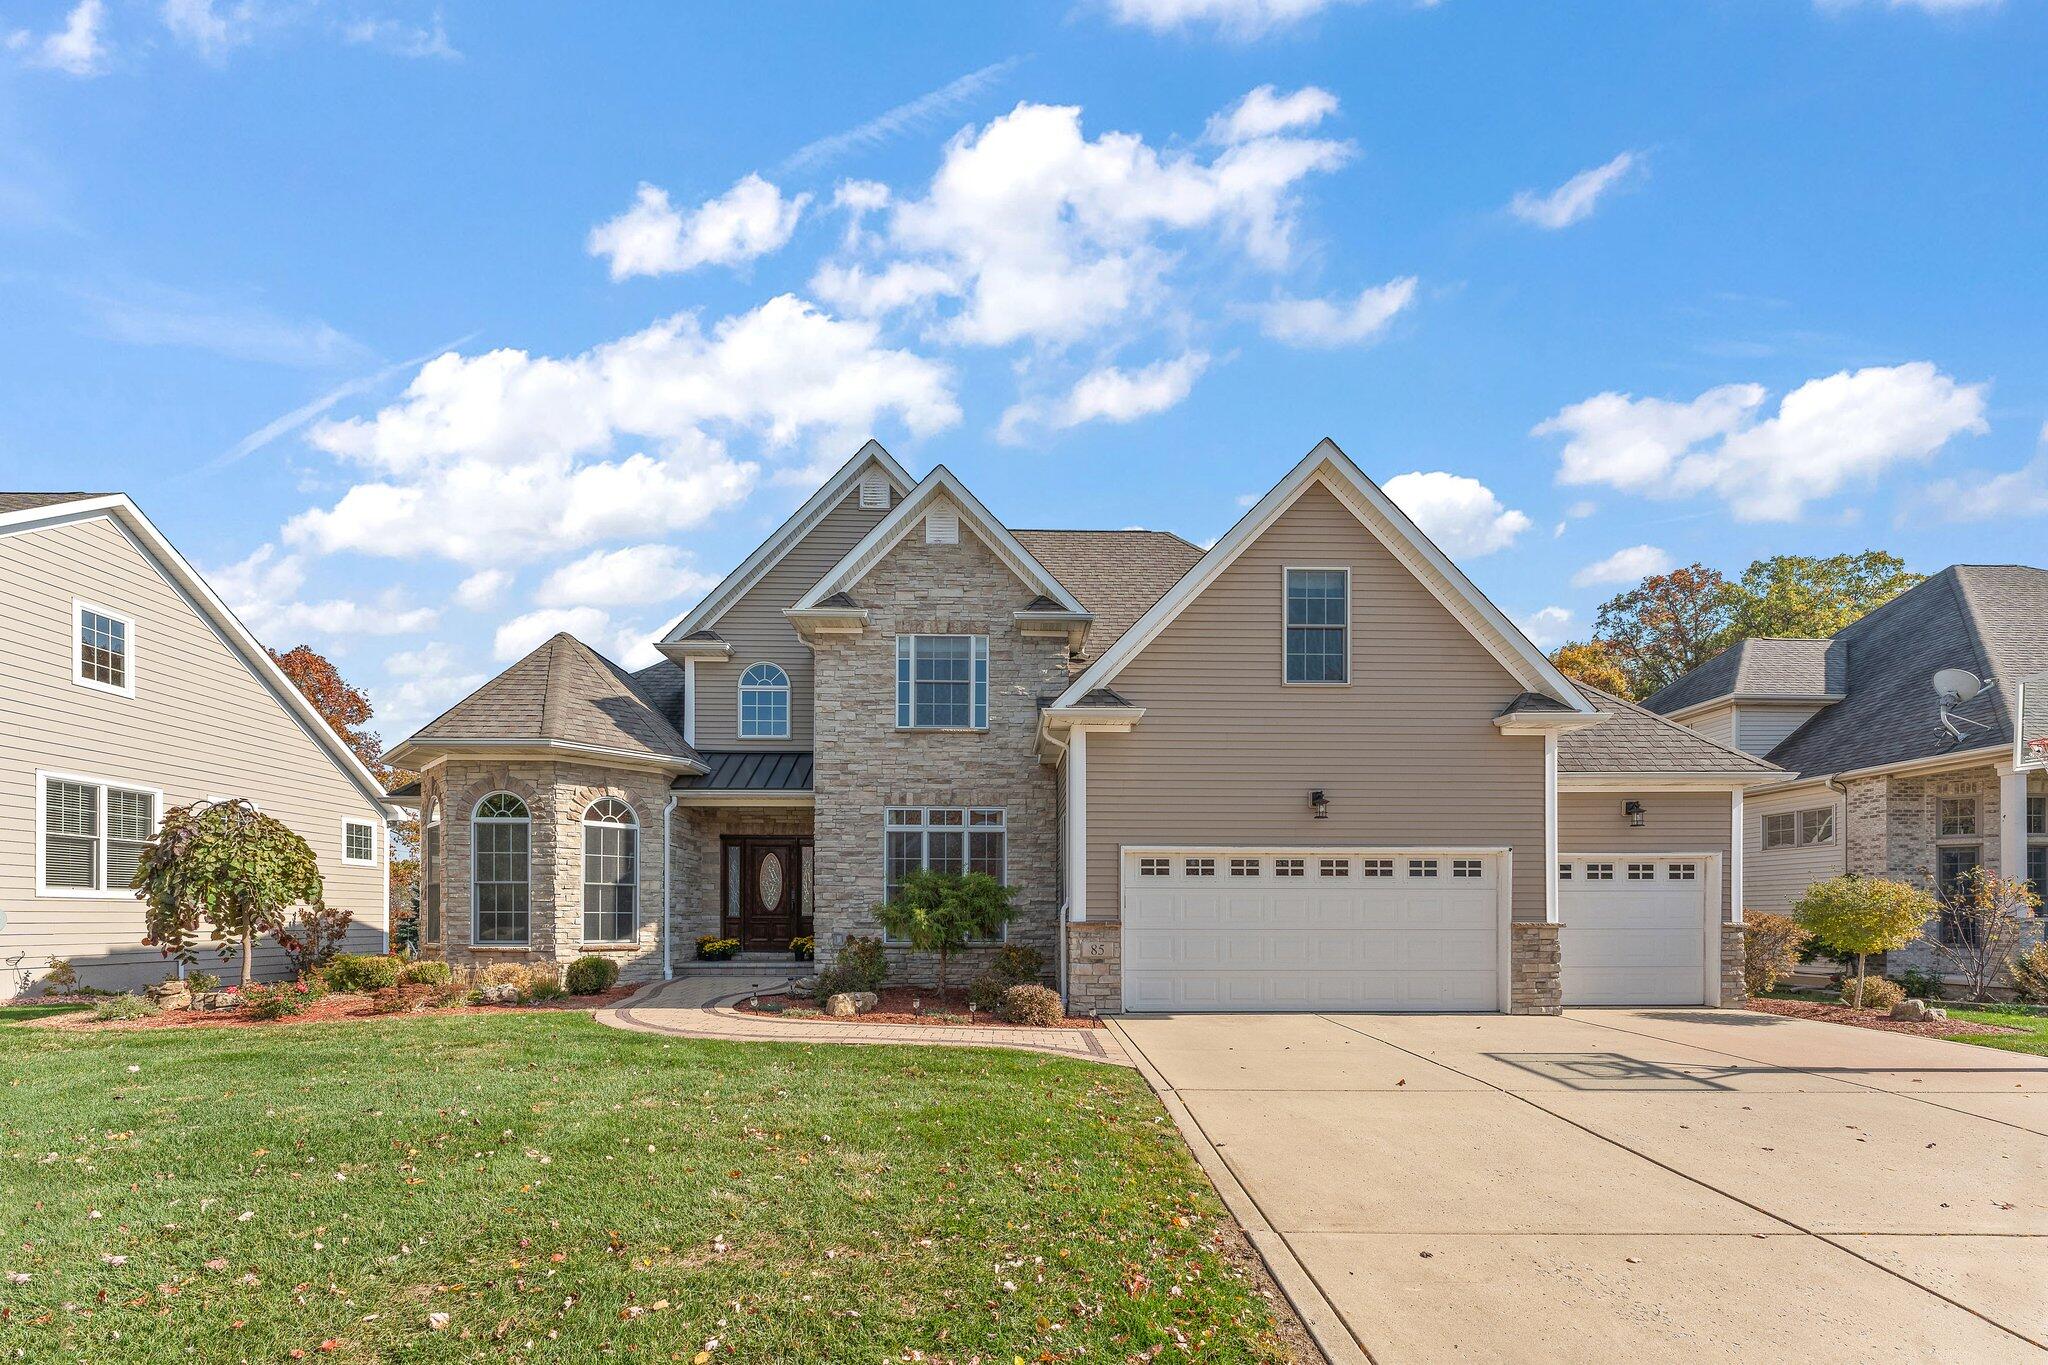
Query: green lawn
x,y
563,1191
15,1014
2032,1018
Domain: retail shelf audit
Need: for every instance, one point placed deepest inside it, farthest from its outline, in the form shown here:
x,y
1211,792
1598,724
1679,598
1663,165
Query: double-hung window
x,y
93,834
942,682
500,888
764,702
2037,852
611,877
102,649
1318,625
942,839
430,932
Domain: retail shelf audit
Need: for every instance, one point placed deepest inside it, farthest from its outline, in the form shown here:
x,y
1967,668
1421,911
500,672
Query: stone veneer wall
x,y
1536,986
556,795
699,879
864,764
1733,953
1095,965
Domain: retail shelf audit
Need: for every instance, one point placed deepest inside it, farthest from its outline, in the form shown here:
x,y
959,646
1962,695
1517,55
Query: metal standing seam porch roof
x,y
751,770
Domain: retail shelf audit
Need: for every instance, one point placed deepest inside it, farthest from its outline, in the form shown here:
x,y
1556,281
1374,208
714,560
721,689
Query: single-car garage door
x,y
1312,929
1635,928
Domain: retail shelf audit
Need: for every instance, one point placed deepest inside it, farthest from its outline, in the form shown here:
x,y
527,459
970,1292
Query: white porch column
x,y
1550,894
1735,855
1077,825
2012,822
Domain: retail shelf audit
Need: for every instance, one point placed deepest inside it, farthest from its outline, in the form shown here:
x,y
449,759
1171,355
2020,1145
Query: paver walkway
x,y
699,1005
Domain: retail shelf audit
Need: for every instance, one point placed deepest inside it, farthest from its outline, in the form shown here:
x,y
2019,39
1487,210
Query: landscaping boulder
x,y
170,995
1912,1011
215,1000
498,994
848,1003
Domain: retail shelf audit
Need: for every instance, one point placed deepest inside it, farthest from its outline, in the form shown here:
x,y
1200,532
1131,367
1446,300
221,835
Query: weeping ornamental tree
x,y
227,867
943,912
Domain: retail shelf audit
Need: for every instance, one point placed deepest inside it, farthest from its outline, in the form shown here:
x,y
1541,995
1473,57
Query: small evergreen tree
x,y
1858,916
229,867
942,912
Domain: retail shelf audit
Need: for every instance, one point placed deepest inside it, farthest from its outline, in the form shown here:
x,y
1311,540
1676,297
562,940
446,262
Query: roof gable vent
x,y
942,526
874,489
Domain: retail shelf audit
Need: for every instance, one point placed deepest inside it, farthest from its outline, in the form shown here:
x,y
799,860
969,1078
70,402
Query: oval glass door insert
x,y
771,881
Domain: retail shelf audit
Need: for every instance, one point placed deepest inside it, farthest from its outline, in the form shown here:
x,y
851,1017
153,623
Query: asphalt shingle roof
x,y
567,692
1634,740
22,502
1991,619
1768,666
1117,575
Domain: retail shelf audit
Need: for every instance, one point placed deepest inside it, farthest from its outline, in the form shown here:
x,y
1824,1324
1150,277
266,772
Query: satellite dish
x,y
1957,685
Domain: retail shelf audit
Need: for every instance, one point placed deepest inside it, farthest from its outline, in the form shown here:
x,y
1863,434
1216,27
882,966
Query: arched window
x,y
430,912
764,703
611,872
500,859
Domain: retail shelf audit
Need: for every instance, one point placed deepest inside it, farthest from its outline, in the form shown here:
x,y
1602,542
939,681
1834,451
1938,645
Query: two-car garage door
x,y
1311,929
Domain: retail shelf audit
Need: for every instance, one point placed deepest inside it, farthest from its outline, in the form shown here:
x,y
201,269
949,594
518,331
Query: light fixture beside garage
x,y
1634,811
1319,803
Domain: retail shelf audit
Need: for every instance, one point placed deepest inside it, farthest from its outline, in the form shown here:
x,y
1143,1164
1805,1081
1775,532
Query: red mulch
x,y
895,1009
328,1009
1830,1013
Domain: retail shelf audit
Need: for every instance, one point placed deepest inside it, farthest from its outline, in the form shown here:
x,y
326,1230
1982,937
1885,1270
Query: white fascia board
x,y
746,800
877,543
698,649
1751,699
1429,565
1094,717
1546,722
770,552
1961,758
187,580
629,758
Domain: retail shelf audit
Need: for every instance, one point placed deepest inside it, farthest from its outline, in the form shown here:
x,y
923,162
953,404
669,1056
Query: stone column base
x,y
1536,986
1095,968
1734,993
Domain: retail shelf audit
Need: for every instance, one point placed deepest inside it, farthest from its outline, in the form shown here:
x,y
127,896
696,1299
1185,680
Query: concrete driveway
x,y
1645,1184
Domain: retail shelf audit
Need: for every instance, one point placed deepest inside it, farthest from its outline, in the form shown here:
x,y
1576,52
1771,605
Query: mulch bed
x,y
895,1009
328,1009
1830,1013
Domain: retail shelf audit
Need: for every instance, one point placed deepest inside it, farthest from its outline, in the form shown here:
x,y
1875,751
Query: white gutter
x,y
668,815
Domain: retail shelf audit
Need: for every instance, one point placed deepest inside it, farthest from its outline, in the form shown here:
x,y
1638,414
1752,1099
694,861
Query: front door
x,y
770,895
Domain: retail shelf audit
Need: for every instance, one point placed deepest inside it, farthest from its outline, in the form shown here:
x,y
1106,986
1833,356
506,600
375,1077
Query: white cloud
x,y
1236,18
78,48
504,457
428,680
263,590
654,238
1575,198
1827,433
481,588
1461,515
518,636
1343,322
1043,234
904,118
1583,508
2017,493
1624,567
1547,628
1265,112
863,293
401,38
638,573
1112,395
211,31
633,648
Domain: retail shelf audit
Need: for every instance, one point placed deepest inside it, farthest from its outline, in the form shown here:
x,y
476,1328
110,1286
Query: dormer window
x,y
764,702
1318,606
102,649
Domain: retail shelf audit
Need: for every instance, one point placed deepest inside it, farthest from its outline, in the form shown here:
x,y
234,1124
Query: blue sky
x,y
426,331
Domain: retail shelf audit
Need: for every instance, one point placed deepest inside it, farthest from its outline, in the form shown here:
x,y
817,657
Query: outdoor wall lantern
x,y
1634,811
1319,803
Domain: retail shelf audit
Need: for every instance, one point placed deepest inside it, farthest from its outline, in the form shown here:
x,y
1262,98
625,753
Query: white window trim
x,y
631,822
475,907
430,875
739,701
79,607
1349,638
44,778
924,853
375,843
977,652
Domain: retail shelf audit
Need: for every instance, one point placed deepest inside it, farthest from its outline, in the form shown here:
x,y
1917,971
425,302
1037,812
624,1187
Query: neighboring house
x,y
1311,767
1884,778
127,688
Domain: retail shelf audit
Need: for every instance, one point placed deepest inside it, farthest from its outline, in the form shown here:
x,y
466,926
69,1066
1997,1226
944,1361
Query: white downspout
x,y
668,819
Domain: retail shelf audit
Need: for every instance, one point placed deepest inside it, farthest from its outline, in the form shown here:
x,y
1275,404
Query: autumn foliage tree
x,y
1592,663
1808,597
1667,625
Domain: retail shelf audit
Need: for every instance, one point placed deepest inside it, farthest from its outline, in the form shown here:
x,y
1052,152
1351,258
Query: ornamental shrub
x,y
426,971
125,1007
2029,973
1015,965
1770,949
362,972
1879,993
590,975
274,1002
1037,1006
863,962
200,982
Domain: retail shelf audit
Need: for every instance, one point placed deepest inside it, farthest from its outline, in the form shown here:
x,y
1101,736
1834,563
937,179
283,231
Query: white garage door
x,y
1634,929
1311,929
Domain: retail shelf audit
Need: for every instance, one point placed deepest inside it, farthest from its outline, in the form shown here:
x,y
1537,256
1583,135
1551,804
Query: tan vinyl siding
x,y
1776,878
759,632
1227,754
1760,729
201,724
1673,822
1717,725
